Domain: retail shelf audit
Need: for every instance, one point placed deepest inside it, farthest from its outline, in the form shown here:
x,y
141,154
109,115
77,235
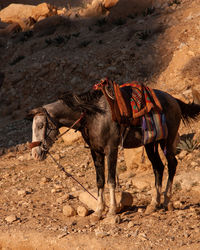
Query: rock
x,y
43,10
130,224
69,211
70,137
112,220
22,192
11,218
133,158
100,233
109,3
123,199
63,198
182,154
22,14
15,12
82,211
88,200
95,8
45,180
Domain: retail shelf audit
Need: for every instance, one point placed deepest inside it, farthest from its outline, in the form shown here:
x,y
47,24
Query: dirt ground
x,y
159,47
35,193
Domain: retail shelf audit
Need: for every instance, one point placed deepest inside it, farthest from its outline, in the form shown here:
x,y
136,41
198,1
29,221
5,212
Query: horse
x,y
90,113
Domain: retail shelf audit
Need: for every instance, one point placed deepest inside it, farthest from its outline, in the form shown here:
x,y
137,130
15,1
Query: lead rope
x,y
60,167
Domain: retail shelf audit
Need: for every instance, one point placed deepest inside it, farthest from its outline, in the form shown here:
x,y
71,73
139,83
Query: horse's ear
x,y
31,113
77,99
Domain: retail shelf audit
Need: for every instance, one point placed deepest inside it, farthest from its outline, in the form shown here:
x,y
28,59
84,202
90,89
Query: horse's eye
x,y
40,126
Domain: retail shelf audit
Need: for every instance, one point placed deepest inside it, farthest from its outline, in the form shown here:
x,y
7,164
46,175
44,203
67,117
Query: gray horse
x,y
90,114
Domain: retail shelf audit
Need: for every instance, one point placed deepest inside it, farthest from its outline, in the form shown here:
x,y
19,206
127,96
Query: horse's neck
x,y
63,115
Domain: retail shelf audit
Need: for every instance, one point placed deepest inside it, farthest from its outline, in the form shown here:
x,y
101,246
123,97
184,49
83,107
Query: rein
x,y
59,166
39,143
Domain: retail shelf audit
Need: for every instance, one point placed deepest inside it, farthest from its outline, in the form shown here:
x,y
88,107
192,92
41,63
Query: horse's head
x,y
44,132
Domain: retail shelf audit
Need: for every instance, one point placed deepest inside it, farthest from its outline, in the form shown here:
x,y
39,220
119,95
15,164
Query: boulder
x,y
134,159
69,211
82,211
95,8
24,15
109,3
123,199
70,137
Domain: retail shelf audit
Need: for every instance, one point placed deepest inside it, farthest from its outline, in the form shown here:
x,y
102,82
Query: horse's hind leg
x,y
158,168
99,163
172,163
112,162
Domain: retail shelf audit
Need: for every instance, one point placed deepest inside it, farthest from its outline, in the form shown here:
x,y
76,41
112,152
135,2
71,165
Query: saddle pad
x,y
142,98
154,127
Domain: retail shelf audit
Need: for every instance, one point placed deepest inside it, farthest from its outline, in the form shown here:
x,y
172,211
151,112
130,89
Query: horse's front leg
x,y
99,163
112,162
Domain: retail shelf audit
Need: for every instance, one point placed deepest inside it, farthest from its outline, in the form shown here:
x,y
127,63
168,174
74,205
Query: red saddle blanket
x,y
141,97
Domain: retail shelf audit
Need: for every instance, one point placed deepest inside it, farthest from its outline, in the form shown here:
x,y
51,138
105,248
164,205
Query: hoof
x,y
169,206
150,209
112,212
95,218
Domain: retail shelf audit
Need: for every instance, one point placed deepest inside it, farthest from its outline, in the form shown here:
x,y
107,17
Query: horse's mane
x,y
86,101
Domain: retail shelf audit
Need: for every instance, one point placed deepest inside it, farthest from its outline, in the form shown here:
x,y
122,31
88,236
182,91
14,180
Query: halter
x,y
49,120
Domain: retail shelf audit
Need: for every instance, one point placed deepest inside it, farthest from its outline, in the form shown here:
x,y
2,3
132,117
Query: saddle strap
x,y
124,111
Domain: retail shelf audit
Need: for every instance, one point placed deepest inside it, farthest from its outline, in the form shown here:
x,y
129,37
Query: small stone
x,y
63,198
22,192
69,211
11,218
100,234
142,236
130,224
82,211
112,220
45,180
21,158
177,204
62,235
194,164
140,210
182,154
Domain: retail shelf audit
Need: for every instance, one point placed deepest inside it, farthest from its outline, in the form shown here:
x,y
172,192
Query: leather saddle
x,y
119,101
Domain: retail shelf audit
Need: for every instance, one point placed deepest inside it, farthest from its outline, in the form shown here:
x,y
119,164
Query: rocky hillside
x,y
71,47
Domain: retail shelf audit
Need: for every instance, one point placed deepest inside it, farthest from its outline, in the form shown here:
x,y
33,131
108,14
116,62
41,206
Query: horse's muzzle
x,y
38,153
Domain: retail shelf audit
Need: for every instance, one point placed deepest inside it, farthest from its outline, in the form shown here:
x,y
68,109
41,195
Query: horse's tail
x,y
189,111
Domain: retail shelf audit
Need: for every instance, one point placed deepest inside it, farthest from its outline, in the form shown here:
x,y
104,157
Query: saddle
x,y
129,101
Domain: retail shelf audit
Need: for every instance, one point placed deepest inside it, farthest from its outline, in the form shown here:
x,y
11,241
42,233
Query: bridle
x,y
54,127
50,125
